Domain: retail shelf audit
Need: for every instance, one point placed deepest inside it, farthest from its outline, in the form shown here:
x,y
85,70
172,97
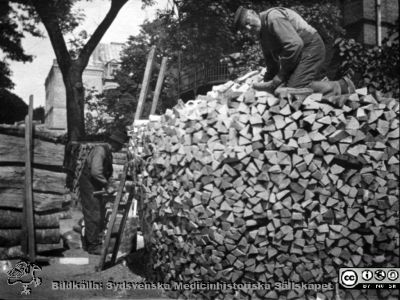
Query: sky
x,y
29,78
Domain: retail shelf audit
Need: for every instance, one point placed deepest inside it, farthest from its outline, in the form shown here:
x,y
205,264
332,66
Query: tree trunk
x,y
75,93
72,69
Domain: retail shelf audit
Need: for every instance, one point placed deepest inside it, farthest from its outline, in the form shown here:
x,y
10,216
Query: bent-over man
x,y
293,50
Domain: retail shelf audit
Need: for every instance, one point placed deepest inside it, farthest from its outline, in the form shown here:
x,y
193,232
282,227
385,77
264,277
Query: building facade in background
x,y
98,75
369,21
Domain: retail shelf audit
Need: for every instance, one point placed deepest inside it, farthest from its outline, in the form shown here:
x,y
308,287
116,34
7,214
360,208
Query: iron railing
x,y
193,78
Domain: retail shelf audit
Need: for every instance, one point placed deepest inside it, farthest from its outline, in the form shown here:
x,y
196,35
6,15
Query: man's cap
x,y
240,17
118,136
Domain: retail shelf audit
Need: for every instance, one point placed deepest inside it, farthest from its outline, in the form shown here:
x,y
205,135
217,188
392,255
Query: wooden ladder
x,y
117,208
125,208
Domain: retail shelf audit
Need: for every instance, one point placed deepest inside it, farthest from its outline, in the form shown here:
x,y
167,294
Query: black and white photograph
x,y
199,149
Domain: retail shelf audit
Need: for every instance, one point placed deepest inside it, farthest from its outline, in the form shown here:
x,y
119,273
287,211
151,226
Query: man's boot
x,y
349,84
328,88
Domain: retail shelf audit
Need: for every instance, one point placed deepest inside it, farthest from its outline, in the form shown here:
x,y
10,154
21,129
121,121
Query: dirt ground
x,y
130,270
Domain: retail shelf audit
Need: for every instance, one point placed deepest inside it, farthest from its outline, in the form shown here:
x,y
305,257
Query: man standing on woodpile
x,y
293,50
95,177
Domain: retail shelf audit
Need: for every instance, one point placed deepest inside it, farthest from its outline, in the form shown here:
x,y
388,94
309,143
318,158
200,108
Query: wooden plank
x,y
117,171
14,198
159,84
28,227
122,227
42,133
145,83
43,180
120,158
12,219
122,155
44,153
16,251
13,237
112,219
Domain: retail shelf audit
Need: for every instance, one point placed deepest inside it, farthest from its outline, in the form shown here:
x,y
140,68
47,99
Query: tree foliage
x,y
374,67
14,25
58,18
198,33
12,108
205,27
39,114
201,33
116,108
107,111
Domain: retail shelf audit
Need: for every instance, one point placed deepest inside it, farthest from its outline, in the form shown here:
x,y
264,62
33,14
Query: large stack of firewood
x,y
49,194
247,187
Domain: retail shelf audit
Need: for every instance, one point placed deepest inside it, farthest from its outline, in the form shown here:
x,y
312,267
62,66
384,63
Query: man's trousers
x,y
93,209
311,62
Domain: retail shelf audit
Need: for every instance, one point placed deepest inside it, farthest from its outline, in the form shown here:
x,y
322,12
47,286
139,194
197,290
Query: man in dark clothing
x,y
95,177
294,51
